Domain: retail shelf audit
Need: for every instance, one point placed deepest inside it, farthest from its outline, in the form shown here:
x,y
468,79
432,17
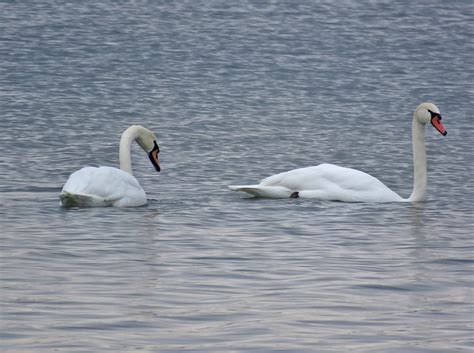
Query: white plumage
x,y
331,182
102,186
323,182
109,186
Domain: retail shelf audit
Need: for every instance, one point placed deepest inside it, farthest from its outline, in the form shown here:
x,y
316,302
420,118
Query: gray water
x,y
235,92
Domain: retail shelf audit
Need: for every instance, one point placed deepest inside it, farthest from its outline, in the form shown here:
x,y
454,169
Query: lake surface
x,y
235,92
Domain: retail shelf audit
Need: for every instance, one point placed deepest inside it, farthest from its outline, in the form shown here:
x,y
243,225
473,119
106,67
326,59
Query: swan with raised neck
x,y
332,182
425,113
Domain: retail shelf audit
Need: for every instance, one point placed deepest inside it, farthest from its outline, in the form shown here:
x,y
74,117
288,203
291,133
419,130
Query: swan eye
x,y
435,115
156,147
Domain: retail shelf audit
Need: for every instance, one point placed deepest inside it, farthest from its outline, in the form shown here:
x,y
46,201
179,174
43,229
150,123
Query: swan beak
x,y
438,125
154,157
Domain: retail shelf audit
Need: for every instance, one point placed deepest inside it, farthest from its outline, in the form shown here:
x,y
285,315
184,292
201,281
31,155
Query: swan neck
x,y
128,136
419,162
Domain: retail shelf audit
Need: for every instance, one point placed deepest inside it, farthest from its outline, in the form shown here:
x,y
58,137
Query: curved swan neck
x,y
419,162
128,136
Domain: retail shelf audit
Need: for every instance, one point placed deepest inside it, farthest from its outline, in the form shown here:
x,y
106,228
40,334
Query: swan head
x,y
429,113
147,141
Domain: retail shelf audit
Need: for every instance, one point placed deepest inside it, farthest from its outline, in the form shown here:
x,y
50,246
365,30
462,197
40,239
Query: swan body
x,y
109,186
323,182
332,182
102,186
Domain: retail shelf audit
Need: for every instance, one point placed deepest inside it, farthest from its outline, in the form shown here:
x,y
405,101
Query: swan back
x,y
103,186
332,182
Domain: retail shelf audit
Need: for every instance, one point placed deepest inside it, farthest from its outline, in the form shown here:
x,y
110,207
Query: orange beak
x,y
153,155
438,125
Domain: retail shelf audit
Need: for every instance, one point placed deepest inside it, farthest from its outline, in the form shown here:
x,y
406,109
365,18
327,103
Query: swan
x,y
109,186
335,183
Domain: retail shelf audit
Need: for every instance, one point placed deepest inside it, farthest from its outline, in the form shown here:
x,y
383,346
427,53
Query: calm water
x,y
235,93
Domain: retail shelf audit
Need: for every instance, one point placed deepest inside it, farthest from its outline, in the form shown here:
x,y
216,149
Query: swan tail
x,y
263,191
70,200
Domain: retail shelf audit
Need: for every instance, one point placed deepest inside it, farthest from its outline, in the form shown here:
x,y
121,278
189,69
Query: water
x,y
235,92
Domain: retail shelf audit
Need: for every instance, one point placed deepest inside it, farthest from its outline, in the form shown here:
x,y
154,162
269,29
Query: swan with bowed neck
x,y
331,182
108,186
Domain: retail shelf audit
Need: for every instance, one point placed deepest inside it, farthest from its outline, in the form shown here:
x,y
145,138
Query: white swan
x,y
108,186
331,182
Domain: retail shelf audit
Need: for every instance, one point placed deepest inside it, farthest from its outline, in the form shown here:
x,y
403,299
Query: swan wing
x,y
103,186
272,191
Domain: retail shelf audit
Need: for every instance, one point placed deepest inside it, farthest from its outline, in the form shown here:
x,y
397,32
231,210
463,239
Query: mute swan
x,y
331,182
108,186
